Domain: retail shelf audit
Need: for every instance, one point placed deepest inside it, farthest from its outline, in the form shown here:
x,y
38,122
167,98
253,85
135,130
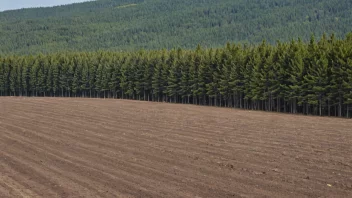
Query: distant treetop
x,y
155,24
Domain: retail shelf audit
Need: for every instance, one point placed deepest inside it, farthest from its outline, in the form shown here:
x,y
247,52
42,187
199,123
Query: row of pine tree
x,y
312,78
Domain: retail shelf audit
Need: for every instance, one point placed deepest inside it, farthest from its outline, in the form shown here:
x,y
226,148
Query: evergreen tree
x,y
296,77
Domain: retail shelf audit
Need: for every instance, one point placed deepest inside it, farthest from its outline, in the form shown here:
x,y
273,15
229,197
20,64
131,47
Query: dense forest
x,y
313,77
166,24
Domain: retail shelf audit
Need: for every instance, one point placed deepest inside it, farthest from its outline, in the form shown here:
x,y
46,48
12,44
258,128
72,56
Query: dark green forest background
x,y
157,24
309,78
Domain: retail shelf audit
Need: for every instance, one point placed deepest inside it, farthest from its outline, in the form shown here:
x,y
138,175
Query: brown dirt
x,y
114,148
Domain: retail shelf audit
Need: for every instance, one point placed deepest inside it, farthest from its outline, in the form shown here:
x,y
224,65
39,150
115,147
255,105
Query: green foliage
x,y
296,77
156,24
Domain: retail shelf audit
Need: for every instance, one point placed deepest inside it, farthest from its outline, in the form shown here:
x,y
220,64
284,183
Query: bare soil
x,y
58,147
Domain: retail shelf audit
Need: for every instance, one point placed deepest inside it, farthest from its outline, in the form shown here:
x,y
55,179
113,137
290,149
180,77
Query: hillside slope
x,y
155,24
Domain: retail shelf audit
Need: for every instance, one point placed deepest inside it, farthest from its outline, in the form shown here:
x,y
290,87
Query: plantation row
x,y
296,77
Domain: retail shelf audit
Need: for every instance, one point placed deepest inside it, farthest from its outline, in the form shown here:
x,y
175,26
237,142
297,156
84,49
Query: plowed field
x,y
56,147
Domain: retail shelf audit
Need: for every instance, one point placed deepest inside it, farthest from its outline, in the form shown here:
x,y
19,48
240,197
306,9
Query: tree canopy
x,y
158,24
312,77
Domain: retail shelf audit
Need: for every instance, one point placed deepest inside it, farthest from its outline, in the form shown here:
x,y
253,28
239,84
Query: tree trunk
x,y
320,107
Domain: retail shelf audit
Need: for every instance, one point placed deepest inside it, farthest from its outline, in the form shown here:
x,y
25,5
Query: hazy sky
x,y
17,4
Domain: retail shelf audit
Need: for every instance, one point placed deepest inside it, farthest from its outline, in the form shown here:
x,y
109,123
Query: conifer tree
x,y
157,82
185,86
296,77
173,81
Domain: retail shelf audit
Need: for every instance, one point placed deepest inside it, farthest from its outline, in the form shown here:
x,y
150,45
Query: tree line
x,y
312,77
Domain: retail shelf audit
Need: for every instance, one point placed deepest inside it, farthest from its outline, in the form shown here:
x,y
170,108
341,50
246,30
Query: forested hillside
x,y
156,24
296,77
